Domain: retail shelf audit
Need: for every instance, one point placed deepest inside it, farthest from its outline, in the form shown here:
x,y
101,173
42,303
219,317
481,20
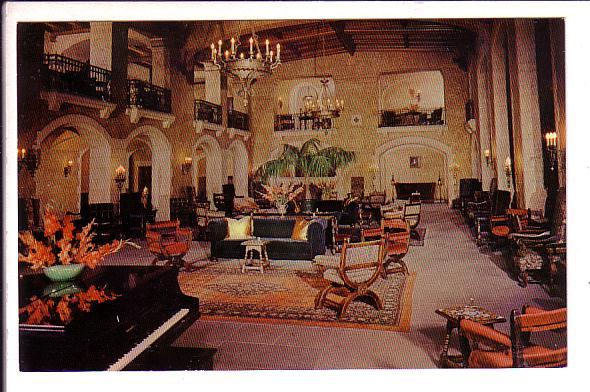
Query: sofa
x,y
276,230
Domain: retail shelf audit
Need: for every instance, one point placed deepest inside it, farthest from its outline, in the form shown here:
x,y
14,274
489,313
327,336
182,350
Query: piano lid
x,y
67,301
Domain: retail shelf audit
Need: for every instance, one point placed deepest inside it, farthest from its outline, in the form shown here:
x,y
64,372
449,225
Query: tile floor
x,y
450,269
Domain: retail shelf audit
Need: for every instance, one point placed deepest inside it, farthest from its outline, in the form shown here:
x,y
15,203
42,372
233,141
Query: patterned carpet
x,y
285,294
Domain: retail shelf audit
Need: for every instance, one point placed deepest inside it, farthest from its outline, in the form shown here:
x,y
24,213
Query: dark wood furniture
x,y
133,332
107,225
183,210
454,315
397,244
497,350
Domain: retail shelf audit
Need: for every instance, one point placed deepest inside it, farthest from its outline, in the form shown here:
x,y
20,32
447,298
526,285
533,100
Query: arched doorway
x,y
86,143
207,152
439,154
239,154
153,144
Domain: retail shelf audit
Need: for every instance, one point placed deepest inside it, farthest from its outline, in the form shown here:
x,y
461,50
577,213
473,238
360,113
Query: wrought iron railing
x,y
64,74
238,120
302,122
207,112
148,96
410,117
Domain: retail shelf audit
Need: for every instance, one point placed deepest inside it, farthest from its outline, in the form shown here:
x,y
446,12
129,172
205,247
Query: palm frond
x,y
312,146
315,166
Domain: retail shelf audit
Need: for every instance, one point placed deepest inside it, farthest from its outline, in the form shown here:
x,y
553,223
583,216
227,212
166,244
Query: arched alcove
x,y
240,166
382,151
161,155
95,139
207,147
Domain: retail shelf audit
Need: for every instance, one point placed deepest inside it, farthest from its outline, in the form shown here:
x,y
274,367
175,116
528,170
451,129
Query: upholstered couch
x,y
276,230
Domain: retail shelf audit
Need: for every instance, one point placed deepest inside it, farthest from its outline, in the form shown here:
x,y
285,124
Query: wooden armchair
x,y
170,243
397,243
412,216
202,215
359,267
541,249
497,350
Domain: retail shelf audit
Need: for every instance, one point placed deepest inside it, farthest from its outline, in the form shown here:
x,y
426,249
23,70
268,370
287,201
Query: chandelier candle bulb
x,y
213,52
219,43
251,48
233,47
278,52
242,56
267,45
227,55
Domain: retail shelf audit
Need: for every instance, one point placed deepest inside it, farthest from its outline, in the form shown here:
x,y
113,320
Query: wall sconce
x,y
551,142
68,168
186,165
508,170
120,177
29,159
488,155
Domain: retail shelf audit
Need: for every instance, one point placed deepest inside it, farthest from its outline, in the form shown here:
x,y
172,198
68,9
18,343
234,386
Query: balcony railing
x,y
63,74
207,112
409,117
148,96
238,120
302,122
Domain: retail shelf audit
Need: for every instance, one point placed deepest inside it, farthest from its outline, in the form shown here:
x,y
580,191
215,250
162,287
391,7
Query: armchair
x,y
397,243
412,216
359,267
541,249
168,242
499,203
497,350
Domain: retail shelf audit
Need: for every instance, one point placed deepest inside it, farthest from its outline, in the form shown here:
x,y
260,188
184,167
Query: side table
x,y
454,315
249,262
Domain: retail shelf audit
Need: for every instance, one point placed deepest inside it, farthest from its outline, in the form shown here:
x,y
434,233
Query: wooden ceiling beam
x,y
343,37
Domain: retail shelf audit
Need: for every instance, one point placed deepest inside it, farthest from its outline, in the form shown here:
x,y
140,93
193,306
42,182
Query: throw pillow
x,y
300,230
239,228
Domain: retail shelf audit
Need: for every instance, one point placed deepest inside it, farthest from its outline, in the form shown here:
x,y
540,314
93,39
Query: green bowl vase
x,y
62,273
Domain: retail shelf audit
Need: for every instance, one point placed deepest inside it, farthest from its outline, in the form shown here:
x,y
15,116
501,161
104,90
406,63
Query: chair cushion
x,y
398,248
534,356
239,229
356,276
501,231
300,230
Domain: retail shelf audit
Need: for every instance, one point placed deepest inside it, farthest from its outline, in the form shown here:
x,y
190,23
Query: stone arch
x,y
418,141
99,143
161,167
212,155
240,154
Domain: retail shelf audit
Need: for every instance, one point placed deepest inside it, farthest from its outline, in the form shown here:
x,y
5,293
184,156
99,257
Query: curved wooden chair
x,y
170,243
497,350
412,216
397,243
360,265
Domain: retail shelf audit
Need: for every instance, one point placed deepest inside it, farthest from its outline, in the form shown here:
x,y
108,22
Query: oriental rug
x,y
285,293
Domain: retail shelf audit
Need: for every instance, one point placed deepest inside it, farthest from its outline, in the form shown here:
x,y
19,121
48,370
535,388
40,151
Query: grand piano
x,y
133,331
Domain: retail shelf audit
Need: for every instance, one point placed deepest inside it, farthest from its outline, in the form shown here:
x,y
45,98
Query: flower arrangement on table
x,y
281,194
62,246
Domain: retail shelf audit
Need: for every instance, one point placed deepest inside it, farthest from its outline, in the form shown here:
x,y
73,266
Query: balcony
x,y
65,80
207,112
238,120
411,119
302,123
147,100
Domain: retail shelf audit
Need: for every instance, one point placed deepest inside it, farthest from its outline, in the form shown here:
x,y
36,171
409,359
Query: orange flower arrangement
x,y
46,311
63,246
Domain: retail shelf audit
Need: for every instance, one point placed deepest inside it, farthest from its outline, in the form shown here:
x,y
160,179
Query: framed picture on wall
x,y
415,162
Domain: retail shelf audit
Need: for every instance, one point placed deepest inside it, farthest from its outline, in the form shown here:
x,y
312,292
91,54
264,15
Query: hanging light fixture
x,y
245,66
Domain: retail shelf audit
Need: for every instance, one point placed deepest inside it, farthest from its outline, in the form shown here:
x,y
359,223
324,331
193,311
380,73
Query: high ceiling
x,y
190,40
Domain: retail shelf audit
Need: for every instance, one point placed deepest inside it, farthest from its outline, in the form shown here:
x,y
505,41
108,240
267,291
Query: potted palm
x,y
310,160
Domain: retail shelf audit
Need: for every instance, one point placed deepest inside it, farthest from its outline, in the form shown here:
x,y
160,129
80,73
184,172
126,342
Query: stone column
x,y
557,36
527,116
501,135
101,42
160,63
212,84
484,120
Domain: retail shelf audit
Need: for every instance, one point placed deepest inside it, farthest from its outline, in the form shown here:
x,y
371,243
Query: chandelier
x,y
245,68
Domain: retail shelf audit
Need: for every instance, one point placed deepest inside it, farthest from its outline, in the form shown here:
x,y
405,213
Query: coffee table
x,y
250,263
454,315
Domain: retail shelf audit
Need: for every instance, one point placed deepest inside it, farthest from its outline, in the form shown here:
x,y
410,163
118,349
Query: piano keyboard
x,y
148,341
